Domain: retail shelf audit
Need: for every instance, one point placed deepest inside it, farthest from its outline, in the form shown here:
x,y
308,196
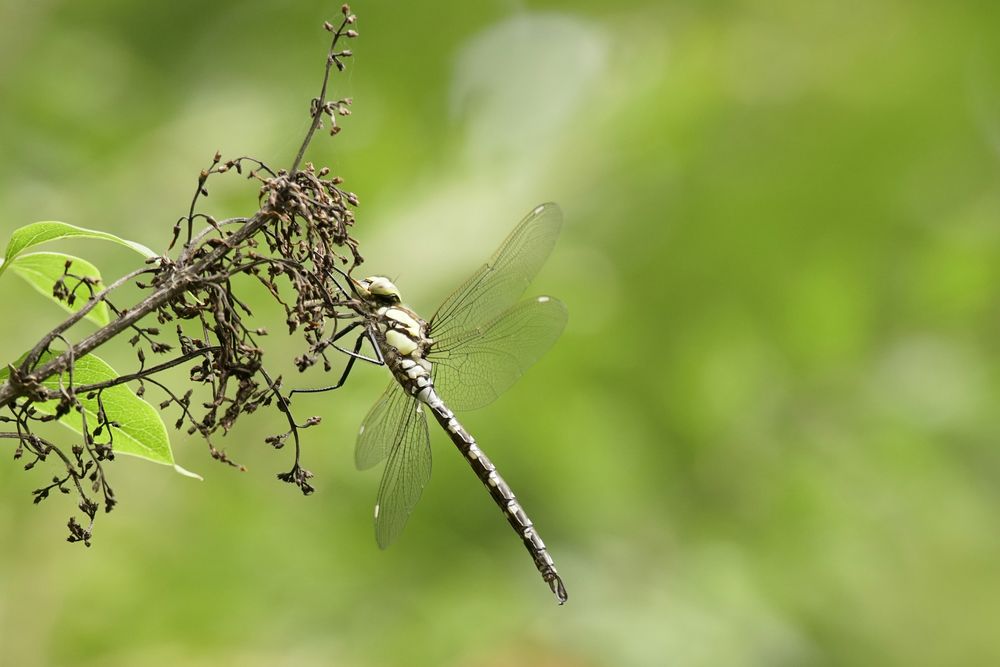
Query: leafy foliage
x,y
47,273
134,427
37,233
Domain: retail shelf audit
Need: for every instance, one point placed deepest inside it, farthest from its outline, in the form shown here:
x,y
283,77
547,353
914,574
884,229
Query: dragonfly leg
x,y
352,357
350,282
355,354
340,287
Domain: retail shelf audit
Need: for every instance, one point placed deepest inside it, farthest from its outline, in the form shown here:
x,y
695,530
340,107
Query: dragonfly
x,y
478,343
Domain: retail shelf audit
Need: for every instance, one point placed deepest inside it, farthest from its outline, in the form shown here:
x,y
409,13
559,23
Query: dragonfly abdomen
x,y
499,490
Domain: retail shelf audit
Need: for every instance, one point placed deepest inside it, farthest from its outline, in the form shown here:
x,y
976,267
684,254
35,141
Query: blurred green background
x,y
767,437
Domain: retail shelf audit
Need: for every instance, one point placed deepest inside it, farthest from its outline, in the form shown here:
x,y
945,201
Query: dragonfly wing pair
x,y
395,428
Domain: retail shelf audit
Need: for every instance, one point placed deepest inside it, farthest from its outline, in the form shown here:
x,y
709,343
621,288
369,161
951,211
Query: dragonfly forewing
x,y
500,282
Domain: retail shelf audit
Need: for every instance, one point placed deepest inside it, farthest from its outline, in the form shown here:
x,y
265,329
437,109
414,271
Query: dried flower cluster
x,y
300,236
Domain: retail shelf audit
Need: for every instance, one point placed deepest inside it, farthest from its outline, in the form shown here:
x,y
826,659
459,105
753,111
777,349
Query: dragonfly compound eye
x,y
380,286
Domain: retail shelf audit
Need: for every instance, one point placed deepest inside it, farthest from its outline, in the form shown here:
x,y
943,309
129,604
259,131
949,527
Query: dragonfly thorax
x,y
401,335
403,330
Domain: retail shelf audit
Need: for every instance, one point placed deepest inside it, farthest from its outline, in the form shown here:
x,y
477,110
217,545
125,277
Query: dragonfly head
x,y
379,289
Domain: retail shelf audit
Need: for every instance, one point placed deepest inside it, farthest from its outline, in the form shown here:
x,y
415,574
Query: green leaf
x,y
41,270
141,431
42,232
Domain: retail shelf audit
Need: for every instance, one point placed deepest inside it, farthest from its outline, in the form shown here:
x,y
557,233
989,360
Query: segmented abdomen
x,y
498,489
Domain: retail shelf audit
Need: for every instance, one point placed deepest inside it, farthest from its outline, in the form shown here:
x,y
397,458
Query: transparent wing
x,y
381,426
502,280
472,371
395,428
406,473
